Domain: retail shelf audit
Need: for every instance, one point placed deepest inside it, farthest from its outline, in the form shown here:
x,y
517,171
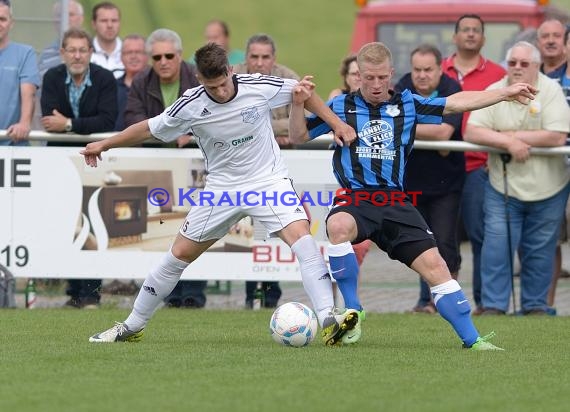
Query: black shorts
x,y
390,220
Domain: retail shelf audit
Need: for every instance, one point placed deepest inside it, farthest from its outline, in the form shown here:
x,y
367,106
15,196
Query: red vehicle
x,y
404,24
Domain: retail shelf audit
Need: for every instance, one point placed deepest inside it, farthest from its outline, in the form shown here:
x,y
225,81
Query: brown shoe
x,y
478,311
428,309
491,312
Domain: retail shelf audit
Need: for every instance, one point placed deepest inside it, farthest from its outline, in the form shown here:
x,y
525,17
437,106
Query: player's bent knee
x,y
341,229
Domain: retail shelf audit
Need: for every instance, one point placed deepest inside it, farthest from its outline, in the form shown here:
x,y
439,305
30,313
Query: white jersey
x,y
235,137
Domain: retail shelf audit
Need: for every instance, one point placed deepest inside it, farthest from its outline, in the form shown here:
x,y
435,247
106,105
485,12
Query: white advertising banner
x,y
62,219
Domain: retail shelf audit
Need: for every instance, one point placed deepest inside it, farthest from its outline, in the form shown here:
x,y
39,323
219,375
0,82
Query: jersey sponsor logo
x,y
377,136
250,115
392,110
205,112
242,141
221,146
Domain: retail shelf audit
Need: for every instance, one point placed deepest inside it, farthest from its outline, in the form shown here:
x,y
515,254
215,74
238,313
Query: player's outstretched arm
x,y
473,100
135,134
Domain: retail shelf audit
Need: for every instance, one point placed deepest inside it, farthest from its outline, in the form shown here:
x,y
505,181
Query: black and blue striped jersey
x,y
377,158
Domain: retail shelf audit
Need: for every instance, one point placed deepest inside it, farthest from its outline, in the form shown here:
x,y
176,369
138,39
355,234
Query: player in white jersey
x,y
229,115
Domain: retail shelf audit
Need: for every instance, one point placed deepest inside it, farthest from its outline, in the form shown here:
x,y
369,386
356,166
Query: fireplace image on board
x,y
123,209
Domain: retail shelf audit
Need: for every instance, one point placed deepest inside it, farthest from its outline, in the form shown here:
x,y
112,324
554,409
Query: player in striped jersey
x,y
385,123
229,115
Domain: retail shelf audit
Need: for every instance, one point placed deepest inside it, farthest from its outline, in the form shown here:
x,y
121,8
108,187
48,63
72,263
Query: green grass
x,y
226,360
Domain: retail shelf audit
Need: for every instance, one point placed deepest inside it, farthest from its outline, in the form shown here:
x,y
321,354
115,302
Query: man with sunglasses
x,y
535,192
152,90
158,86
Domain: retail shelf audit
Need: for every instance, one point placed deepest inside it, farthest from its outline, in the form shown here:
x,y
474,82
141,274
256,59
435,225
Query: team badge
x,y
392,110
250,115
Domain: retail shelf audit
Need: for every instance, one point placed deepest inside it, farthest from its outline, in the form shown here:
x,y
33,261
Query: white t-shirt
x,y
235,137
110,62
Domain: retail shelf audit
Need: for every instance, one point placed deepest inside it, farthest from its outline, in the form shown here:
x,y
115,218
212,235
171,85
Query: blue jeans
x,y
472,214
534,231
442,215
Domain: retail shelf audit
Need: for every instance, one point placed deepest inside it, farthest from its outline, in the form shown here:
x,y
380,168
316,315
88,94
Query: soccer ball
x,y
293,324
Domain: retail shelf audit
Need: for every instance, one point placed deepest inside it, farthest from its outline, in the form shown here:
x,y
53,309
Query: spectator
x,y
473,72
79,97
562,75
218,32
441,188
50,56
350,77
537,185
106,22
152,90
19,81
135,59
550,43
372,168
260,56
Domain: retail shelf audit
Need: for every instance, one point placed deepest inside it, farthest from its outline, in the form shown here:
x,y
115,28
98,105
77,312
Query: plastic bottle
x,y
258,297
31,294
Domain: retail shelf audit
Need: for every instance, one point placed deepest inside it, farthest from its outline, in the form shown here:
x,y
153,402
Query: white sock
x,y
158,284
315,275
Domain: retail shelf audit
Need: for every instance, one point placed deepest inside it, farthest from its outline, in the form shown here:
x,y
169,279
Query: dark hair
x,y
470,16
260,38
428,49
103,5
566,34
344,67
212,61
75,33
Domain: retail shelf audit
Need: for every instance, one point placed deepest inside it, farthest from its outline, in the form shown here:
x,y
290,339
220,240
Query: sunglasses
x,y
513,63
167,56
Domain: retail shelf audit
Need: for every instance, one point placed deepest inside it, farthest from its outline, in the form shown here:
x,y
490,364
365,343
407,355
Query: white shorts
x,y
274,205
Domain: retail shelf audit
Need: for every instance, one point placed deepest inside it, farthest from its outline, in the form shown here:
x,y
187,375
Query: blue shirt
x,y
75,91
17,66
377,159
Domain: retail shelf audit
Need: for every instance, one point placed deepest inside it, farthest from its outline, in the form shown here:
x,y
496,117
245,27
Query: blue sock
x,y
344,269
453,306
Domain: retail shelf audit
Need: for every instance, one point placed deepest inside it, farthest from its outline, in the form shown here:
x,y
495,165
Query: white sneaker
x,y
118,333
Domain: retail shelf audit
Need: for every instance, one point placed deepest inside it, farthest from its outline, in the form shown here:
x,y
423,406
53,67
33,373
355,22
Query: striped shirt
x,y
377,159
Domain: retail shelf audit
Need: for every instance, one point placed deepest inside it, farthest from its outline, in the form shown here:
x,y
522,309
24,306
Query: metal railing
x,y
321,142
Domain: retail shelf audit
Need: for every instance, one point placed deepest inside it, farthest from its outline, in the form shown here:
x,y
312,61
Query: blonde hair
x,y
374,53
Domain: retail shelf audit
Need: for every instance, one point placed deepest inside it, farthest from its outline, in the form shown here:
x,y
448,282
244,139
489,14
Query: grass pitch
x,y
210,360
